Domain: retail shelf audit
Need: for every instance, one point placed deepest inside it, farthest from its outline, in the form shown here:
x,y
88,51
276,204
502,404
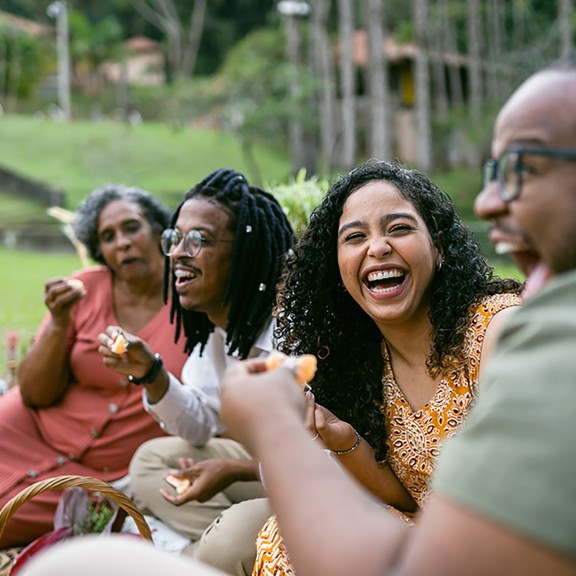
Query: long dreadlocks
x,y
262,235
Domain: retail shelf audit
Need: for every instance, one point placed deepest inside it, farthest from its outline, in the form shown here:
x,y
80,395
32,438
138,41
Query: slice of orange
x,y
275,359
77,284
180,484
120,345
304,366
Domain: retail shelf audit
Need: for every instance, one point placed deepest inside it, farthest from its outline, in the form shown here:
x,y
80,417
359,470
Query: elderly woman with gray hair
x,y
71,414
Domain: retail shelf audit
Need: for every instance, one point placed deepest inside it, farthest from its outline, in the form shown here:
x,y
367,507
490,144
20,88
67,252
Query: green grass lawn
x,y
79,156
22,292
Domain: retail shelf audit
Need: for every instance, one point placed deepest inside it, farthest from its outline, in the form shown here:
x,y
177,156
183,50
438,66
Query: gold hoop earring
x,y
322,351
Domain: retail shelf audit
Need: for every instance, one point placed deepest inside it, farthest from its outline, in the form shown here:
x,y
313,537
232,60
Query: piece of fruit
x,y
304,366
275,359
180,484
77,284
119,345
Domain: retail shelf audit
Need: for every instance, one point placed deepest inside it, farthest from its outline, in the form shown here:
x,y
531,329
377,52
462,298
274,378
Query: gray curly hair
x,y
88,212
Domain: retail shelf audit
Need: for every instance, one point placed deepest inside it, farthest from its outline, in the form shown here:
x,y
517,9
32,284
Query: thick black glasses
x,y
193,241
510,167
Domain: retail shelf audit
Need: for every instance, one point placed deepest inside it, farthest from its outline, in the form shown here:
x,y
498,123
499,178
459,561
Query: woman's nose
x,y
379,247
123,240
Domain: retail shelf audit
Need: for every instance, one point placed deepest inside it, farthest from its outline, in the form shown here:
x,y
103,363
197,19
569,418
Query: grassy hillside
x,y
79,156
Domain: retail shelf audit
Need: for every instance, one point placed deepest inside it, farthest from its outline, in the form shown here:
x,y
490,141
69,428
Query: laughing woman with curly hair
x,y
388,289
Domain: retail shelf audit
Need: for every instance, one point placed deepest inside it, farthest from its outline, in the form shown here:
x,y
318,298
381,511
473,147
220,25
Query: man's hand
x,y
253,399
209,477
136,360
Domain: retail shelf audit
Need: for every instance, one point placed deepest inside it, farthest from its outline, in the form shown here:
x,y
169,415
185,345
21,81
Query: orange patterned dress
x,y
414,439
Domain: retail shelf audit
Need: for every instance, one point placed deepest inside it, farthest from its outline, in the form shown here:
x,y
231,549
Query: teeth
x,y
384,275
380,290
183,274
504,247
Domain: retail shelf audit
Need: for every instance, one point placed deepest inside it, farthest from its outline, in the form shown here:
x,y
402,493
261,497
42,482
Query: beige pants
x,y
224,528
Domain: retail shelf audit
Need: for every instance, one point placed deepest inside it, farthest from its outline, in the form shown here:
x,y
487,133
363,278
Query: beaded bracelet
x,y
356,444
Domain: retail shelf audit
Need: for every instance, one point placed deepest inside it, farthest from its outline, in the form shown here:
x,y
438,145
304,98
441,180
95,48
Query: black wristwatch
x,y
151,375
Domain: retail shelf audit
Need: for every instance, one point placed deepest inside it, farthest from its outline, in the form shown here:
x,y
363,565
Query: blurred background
x,y
157,93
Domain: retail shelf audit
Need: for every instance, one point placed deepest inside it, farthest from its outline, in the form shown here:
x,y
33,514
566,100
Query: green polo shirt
x,y
515,460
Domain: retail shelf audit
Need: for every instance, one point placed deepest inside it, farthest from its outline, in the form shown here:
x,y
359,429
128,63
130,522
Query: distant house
x,y
401,78
143,65
24,25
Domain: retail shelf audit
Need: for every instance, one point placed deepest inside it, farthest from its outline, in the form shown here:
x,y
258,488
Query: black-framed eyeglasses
x,y
510,167
193,241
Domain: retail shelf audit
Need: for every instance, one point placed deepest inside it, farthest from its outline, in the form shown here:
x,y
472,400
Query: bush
x,y
299,197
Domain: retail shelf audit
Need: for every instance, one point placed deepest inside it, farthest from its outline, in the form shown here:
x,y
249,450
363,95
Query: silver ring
x,y
315,437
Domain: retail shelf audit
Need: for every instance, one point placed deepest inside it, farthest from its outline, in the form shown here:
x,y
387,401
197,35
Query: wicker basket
x,y
61,482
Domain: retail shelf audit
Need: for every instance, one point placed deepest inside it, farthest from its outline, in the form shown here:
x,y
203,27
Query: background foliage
x,y
237,109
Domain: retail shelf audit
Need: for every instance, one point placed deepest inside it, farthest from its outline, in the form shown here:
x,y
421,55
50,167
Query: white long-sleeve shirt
x,y
190,408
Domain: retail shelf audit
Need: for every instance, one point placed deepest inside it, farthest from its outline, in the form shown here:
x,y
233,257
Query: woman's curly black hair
x,y
315,315
88,213
262,235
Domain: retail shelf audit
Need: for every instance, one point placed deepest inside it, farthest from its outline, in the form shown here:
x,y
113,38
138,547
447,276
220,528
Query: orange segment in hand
x,y
180,484
304,367
120,345
275,359
77,284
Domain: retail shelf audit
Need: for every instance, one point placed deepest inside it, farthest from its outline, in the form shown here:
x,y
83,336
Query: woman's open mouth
x,y
384,281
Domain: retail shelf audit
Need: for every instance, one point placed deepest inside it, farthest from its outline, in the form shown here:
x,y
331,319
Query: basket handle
x,y
61,482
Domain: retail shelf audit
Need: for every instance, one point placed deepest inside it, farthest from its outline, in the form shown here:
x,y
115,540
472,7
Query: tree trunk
x,y
439,77
195,35
565,13
181,51
450,46
295,130
377,82
474,64
324,67
519,24
520,12
311,135
496,50
423,86
348,84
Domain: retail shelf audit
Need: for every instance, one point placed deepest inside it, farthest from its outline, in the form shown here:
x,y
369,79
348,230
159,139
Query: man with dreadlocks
x,y
224,252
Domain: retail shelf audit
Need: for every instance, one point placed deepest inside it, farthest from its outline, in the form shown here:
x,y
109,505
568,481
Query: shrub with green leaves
x,y
299,197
